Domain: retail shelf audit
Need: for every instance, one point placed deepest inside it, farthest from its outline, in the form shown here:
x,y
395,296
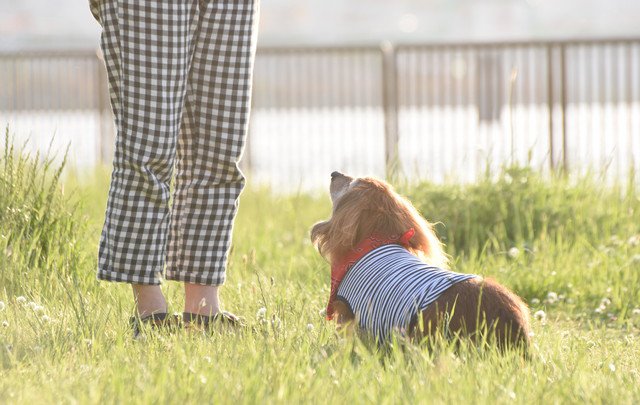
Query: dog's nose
x,y
336,174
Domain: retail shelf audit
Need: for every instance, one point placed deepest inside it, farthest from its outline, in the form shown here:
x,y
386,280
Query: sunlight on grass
x,y
570,248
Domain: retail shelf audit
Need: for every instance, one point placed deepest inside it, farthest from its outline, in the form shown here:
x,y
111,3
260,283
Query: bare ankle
x,y
149,299
201,299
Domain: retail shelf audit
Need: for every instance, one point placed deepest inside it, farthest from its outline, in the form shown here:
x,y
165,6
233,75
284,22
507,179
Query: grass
x,y
569,248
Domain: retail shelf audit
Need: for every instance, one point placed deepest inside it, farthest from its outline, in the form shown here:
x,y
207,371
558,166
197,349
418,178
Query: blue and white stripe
x,y
389,286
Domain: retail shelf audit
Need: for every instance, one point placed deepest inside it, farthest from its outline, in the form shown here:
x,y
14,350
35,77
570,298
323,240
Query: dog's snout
x,y
336,174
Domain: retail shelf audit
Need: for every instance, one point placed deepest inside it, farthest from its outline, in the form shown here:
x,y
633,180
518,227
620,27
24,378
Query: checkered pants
x,y
180,85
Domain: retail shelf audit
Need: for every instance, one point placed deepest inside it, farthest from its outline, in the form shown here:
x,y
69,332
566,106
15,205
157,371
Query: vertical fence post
x,y
550,105
563,106
390,105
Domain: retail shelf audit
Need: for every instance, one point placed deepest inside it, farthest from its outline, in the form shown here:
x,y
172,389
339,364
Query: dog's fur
x,y
365,206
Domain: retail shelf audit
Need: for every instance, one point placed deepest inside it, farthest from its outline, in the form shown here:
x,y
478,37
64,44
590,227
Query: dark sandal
x,y
160,320
206,322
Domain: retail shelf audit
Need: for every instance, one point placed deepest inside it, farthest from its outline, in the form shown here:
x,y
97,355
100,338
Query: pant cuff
x,y
216,278
114,276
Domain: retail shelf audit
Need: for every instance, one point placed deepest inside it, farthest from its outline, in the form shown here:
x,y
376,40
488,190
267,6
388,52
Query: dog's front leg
x,y
345,319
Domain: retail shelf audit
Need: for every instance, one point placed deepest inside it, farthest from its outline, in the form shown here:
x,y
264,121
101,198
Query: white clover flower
x,y
37,308
21,299
552,297
634,240
203,379
535,301
540,316
310,327
605,302
599,310
207,359
1,306
612,367
5,324
46,319
508,179
514,252
261,313
323,312
636,311
615,240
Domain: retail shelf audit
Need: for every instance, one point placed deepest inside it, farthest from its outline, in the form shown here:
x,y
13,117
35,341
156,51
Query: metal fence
x,y
528,100
428,111
58,98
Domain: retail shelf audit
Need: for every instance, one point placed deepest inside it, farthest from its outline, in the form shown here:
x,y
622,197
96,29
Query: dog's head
x,y
363,207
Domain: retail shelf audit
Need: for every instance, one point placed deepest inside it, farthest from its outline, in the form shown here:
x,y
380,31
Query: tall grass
x,y
569,248
39,223
523,208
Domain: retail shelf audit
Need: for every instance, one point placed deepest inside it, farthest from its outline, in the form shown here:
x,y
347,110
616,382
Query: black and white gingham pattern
x,y
389,286
180,82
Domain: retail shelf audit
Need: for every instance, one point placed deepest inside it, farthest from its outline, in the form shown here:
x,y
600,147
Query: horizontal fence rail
x,y
58,98
426,111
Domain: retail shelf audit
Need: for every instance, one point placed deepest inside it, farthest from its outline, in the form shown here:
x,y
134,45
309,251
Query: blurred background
x,y
430,89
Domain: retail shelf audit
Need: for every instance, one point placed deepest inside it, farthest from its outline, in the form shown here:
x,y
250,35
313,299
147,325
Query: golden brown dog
x,y
365,206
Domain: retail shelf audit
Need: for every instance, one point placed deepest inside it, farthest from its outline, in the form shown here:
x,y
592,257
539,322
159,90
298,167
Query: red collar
x,y
341,266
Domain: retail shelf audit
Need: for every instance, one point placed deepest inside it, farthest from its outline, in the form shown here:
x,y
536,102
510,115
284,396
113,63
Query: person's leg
x,y
211,141
149,300
201,299
146,49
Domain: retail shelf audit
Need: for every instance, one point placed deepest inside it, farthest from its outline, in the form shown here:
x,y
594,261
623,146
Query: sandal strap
x,y
229,318
155,320
222,317
198,319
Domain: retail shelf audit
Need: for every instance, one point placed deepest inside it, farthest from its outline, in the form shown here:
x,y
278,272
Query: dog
x,y
389,273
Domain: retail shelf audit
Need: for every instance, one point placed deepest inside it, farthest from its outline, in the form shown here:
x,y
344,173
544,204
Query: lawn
x,y
569,247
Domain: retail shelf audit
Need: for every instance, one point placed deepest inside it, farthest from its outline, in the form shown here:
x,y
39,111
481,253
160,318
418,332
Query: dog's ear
x,y
318,234
404,216
425,243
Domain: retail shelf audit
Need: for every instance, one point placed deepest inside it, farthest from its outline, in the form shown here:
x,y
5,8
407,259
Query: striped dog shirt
x,y
389,286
